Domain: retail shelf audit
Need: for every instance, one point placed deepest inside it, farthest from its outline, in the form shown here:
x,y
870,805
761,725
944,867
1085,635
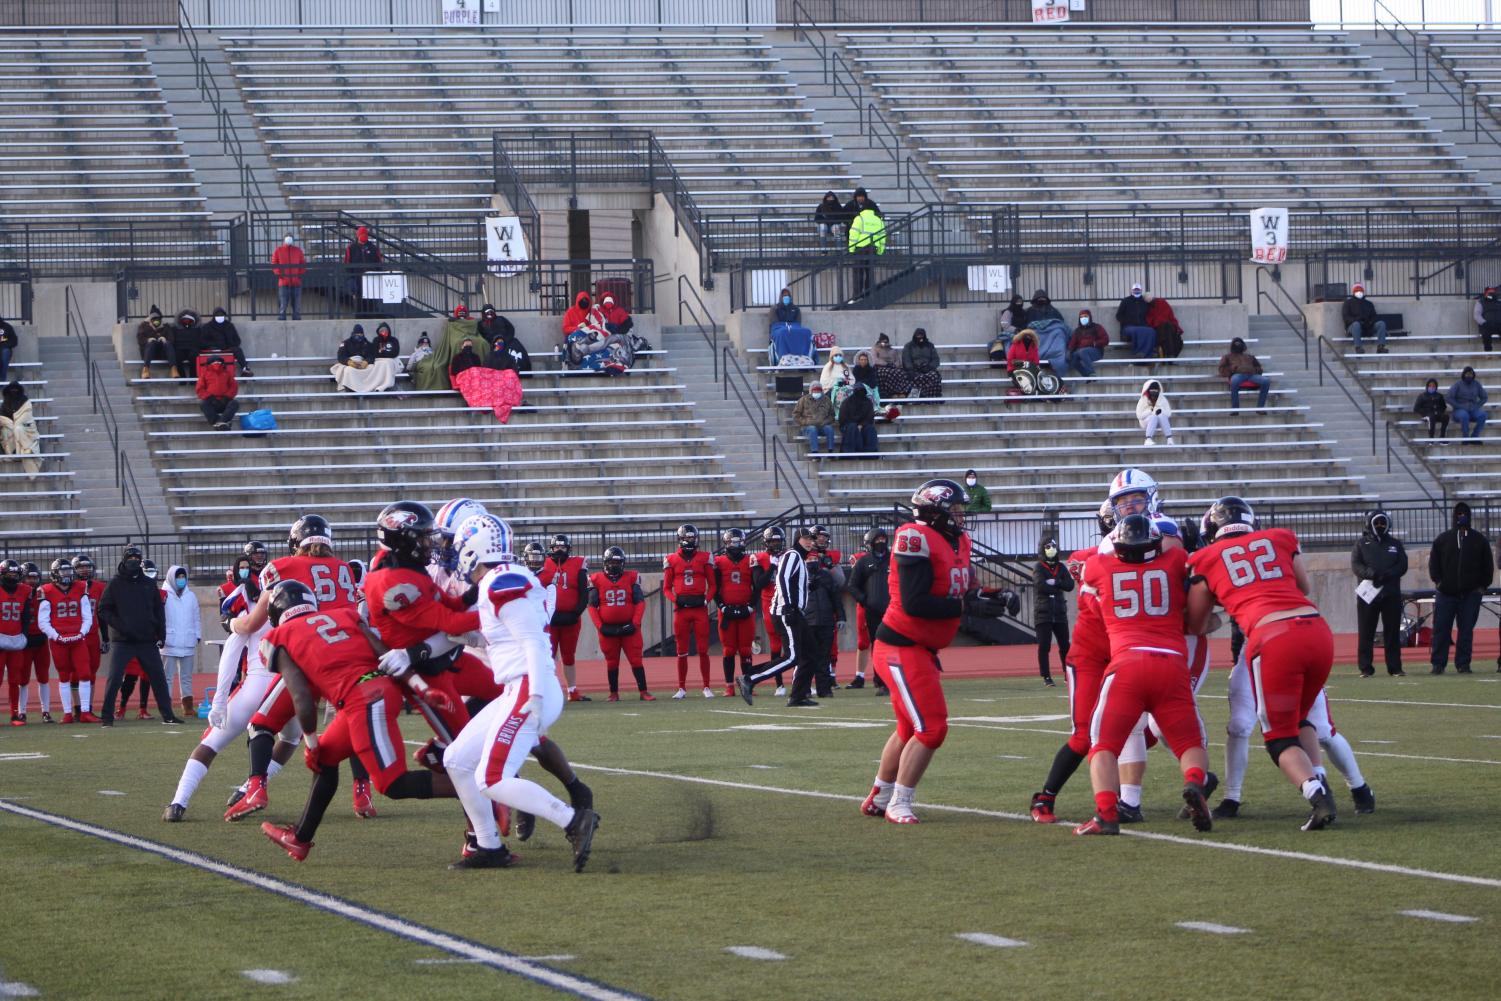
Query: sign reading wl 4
x,y
1269,236
505,245
1049,11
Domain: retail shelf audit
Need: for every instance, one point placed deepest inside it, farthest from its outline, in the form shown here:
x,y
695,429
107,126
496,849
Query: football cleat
x,y
255,798
143,714
580,833
1098,825
614,697
1197,807
900,813
747,689
729,691
648,697
1226,810
47,718
680,694
1042,808
781,690
286,836
67,719
15,720
708,693
360,796
1323,812
1211,783
870,807
88,717
859,682
235,796
1130,814
1365,799
526,823
577,696
173,813
484,858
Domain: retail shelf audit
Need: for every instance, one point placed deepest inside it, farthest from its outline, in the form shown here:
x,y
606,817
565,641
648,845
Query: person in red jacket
x,y
688,582
66,615
217,390
1023,349
289,265
763,574
617,605
735,590
569,577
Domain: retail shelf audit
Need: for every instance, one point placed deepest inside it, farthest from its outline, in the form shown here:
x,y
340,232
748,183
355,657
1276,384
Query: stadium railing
x,y
15,294
1020,11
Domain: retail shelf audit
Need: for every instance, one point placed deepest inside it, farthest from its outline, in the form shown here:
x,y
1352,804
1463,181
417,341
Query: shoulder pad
x,y
399,596
667,562
911,542
507,586
269,576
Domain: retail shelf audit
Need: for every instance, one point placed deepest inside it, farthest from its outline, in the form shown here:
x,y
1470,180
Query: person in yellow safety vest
x,y
867,238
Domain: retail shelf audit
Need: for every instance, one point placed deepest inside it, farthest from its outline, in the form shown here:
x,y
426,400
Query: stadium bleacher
x,y
1474,59
48,502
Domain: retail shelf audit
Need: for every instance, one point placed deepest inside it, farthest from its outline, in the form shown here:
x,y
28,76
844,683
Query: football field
x,y
732,863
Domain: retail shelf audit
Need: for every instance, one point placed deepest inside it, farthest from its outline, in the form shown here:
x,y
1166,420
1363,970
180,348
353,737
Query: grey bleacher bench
x,y
408,486
1127,448
507,463
427,446
514,429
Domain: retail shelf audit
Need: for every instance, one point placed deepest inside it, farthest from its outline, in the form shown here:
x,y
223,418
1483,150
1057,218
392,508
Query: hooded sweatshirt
x,y
184,628
1379,558
1460,561
1467,395
577,313
131,609
1144,406
1051,580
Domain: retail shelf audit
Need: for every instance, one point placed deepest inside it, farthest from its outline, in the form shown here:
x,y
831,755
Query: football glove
x,y
396,663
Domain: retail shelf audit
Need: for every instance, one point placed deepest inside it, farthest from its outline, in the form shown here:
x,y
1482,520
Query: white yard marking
x,y
1224,846
1375,741
1213,928
766,767
22,756
886,721
993,941
561,958
110,792
1012,757
753,952
1455,919
497,959
269,977
1052,718
1429,757
630,714
16,989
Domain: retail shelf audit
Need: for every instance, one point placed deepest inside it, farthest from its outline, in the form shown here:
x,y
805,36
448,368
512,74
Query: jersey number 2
x,y
327,629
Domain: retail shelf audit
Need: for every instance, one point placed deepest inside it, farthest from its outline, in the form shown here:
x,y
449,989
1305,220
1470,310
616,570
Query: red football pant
x,y
276,709
611,646
736,635
15,667
862,636
696,622
773,639
39,657
566,638
71,661
1290,660
93,644
474,679
911,672
1083,692
1146,681
366,727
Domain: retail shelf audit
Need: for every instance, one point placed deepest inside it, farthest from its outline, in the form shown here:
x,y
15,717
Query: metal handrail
x,y
1300,328
228,134
704,321
782,459
745,393
1420,52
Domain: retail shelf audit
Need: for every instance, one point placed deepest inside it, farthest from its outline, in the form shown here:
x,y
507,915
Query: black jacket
x,y
131,610
1132,312
868,583
1460,561
387,347
1431,405
824,607
356,346
510,353
8,338
1380,559
218,336
857,409
1362,310
1052,581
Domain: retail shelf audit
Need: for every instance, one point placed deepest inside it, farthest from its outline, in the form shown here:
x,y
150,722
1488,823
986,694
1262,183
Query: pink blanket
x,y
498,389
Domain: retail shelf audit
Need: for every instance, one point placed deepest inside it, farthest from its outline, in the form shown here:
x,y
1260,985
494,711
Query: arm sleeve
x,y
1401,564
44,619
1358,564
710,579
639,598
87,608
436,616
1433,566
106,611
1064,578
535,649
915,576
669,577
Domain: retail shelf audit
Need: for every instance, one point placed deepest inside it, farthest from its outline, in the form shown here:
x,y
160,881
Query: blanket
x,y
19,436
431,372
496,389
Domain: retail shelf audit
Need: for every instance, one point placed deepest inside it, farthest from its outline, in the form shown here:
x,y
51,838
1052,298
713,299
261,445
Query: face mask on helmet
x,y
533,556
614,563
1126,505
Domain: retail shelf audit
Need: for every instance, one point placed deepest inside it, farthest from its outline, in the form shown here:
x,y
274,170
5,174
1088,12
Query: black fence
x,y
867,12
15,295
1407,274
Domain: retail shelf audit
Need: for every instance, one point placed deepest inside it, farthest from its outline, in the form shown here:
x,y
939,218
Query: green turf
x,y
862,909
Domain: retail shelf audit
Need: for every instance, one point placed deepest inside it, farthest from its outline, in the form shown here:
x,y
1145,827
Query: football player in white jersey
x,y
444,569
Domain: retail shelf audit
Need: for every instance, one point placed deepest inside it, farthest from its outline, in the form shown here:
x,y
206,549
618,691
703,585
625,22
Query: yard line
x,y
1425,757
1334,860
1213,928
985,938
268,976
753,952
1456,919
886,720
505,962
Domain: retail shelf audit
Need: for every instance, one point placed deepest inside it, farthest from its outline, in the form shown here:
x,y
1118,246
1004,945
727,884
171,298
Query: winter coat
x,y
511,354
12,398
857,409
1460,560
463,361
1238,363
1488,311
496,329
131,609
867,233
824,607
387,346
811,413
1132,311
1051,581
1160,311
1013,319
617,320
1467,395
834,374
184,628
885,355
787,312
218,336
8,338
363,256
1431,405
1022,349
979,499
356,346
146,332
1356,310
1036,314
289,265
217,382
868,583
1144,407
19,436
1380,559
185,336
576,315
1092,336
1052,342
920,357
830,211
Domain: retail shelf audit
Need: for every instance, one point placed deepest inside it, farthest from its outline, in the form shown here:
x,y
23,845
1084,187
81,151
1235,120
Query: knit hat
x,y
1357,287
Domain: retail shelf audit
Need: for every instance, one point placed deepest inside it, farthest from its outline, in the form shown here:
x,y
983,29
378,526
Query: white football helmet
x,y
1133,481
454,513
483,539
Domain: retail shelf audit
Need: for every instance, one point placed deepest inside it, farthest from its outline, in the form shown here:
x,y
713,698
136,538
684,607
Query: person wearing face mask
x,y
791,343
498,390
289,264
1380,559
979,497
835,377
869,585
1051,580
217,389
1131,314
1242,371
360,256
1154,412
1467,399
1359,317
135,617
1042,308
1433,408
353,372
220,335
814,414
864,373
1013,318
920,360
857,421
1488,316
1087,344
184,631
1461,568
154,341
894,381
830,218
186,336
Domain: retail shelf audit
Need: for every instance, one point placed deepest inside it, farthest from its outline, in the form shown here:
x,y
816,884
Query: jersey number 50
x,y
1151,598
1261,566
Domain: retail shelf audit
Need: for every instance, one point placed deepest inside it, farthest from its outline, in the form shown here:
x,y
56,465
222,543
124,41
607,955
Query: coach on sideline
x,y
134,622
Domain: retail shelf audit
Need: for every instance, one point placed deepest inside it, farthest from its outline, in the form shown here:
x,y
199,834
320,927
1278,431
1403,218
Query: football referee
x,y
789,605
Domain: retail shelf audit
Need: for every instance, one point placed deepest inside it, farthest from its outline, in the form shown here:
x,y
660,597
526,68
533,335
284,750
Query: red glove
x,y
310,755
437,699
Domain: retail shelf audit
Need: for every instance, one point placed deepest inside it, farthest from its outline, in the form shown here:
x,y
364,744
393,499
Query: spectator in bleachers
x,y
357,370
867,241
979,497
154,340
1131,314
859,202
1041,309
1154,412
857,420
419,353
1087,344
217,390
1165,325
864,373
18,428
8,344
288,263
1023,350
493,327
835,377
1467,399
830,218
893,379
1013,318
360,256
814,413
617,318
387,346
507,351
920,360
185,340
1487,319
465,359
1432,407
1241,369
221,335
498,390
577,314
789,338
1052,342
1359,317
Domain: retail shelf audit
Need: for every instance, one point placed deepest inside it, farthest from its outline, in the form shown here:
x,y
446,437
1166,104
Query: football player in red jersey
x,y
38,654
83,570
1258,576
66,615
735,591
1142,593
868,585
763,578
568,575
929,582
617,605
15,615
688,582
329,654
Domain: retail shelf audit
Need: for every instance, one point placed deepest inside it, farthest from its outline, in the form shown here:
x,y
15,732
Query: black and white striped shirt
x,y
792,582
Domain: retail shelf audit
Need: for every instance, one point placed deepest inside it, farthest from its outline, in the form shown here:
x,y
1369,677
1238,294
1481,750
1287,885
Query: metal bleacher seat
x,y
1475,59
48,502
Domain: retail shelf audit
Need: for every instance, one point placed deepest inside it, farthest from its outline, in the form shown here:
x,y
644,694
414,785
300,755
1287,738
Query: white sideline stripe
x,y
985,938
1334,860
110,792
1375,741
753,952
766,767
1213,928
16,989
22,756
497,959
560,958
888,721
1426,757
268,976
1405,702
1455,919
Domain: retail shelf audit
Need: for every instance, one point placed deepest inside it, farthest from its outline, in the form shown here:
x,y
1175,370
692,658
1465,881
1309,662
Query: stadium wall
x,y
1421,316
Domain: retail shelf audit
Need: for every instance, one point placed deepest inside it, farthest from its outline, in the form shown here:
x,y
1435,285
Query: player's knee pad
x,y
1276,748
1134,751
933,737
408,785
1240,723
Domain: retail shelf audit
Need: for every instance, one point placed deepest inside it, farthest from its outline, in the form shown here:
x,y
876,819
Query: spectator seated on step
x,y
154,341
358,370
1467,399
857,420
864,373
1154,412
1023,349
920,361
430,373
419,353
831,219
814,415
836,378
1359,317
18,428
894,380
8,344
1131,314
1052,341
506,349
219,334
1487,317
1164,324
1087,344
498,390
1042,308
1433,408
217,389
1241,370
617,318
185,339
791,342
